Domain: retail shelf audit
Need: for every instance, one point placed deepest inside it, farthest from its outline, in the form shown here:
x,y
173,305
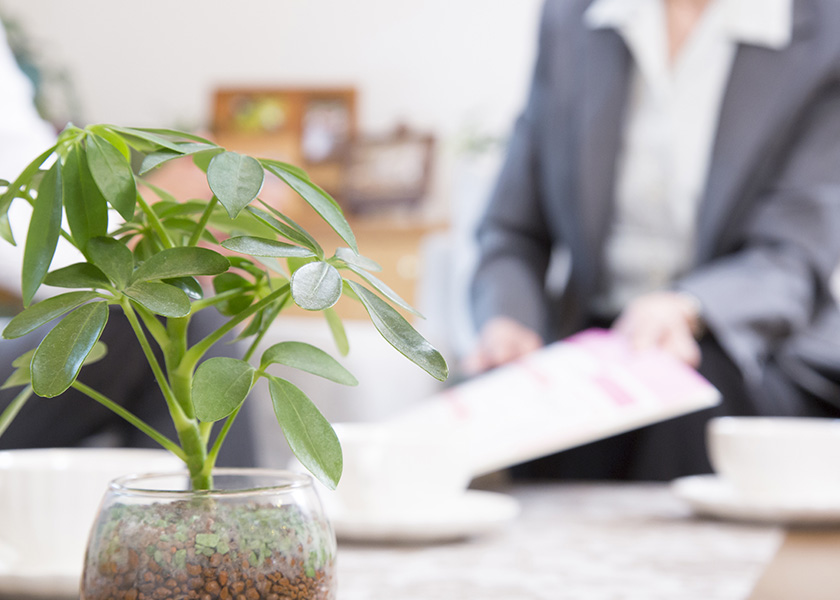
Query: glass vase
x,y
259,534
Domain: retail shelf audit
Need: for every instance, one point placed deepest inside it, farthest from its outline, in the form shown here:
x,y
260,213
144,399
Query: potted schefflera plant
x,y
213,533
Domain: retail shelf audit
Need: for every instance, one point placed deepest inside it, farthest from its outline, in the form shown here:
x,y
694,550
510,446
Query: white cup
x,y
392,468
49,499
772,460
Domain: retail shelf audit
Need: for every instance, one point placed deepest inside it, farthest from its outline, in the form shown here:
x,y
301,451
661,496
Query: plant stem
x,y
131,418
202,223
155,222
217,444
178,416
195,353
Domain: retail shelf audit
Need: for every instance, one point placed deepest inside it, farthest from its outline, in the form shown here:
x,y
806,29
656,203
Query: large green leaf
x,y
257,246
45,311
173,133
58,358
400,334
77,275
338,332
14,188
307,358
181,262
112,174
319,200
287,231
235,179
220,386
316,286
42,237
160,298
86,209
310,436
113,258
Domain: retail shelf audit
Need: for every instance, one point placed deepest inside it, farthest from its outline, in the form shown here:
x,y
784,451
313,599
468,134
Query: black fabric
x,y
677,447
124,376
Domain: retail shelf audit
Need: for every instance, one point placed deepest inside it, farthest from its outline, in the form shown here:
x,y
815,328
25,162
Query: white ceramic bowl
x,y
778,459
49,499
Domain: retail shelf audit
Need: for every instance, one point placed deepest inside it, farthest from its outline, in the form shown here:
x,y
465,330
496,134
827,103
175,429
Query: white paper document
x,y
584,388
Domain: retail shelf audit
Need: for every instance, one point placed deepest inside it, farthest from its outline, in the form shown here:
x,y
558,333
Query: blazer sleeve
x,y
513,239
771,286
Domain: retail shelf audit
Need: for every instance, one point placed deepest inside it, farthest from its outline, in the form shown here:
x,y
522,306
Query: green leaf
x,y
268,162
291,223
146,135
181,262
160,298
45,311
338,332
286,231
188,285
59,357
354,259
400,334
87,211
155,159
310,436
319,200
78,275
202,159
386,291
307,358
19,377
22,180
257,246
113,138
174,133
232,281
220,386
113,258
44,229
235,179
316,286
112,174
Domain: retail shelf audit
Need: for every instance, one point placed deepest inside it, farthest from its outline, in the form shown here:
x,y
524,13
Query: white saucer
x,y
474,513
709,495
55,586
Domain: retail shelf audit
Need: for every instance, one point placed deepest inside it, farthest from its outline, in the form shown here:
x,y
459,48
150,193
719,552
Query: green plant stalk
x,y
155,222
217,444
195,353
189,434
161,439
202,223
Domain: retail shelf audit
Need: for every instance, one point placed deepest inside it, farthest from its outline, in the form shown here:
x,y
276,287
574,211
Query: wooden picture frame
x,y
310,127
388,172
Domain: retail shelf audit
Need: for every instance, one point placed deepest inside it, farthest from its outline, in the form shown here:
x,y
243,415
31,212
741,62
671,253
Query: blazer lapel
x,y
602,96
763,85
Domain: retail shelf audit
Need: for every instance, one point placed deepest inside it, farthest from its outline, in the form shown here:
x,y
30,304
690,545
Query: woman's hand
x,y
501,341
666,320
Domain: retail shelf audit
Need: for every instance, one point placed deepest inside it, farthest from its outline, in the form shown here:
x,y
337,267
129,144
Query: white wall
x,y
436,64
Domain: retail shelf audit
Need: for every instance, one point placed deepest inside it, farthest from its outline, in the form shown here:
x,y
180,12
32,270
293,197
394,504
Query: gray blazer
x,y
768,236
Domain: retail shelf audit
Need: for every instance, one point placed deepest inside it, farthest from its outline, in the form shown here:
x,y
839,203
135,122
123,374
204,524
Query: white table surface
x,y
573,541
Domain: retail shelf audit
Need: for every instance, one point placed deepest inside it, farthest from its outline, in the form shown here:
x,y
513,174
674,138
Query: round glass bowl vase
x,y
260,534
